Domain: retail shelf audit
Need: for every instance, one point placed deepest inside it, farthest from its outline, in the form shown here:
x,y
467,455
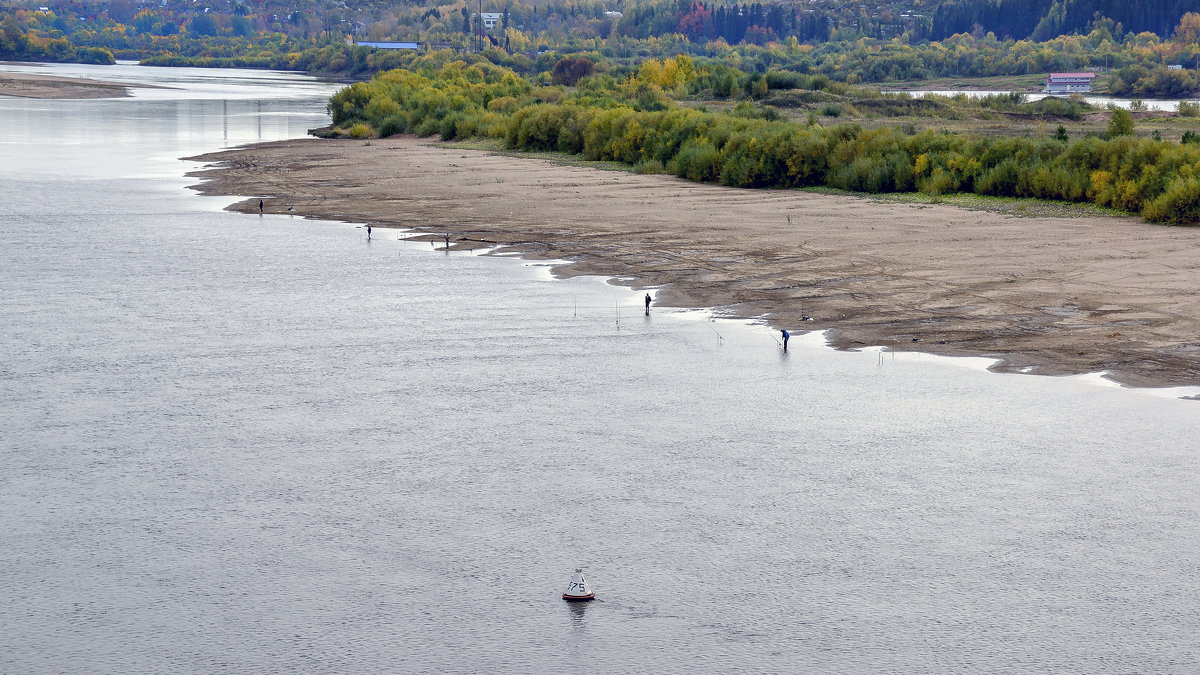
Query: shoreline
x,y
1044,295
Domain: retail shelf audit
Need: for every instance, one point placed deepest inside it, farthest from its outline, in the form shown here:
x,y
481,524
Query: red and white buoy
x,y
577,590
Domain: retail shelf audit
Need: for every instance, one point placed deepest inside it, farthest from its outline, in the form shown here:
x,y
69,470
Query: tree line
x,y
17,44
754,36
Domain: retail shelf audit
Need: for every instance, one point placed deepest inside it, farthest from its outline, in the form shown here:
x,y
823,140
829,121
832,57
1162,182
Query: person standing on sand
x,y
260,206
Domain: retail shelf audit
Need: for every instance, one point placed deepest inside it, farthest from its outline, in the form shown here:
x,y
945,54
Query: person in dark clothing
x,y
786,335
368,232
260,206
647,303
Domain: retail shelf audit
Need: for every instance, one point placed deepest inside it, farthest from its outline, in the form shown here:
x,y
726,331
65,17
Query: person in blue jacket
x,y
786,335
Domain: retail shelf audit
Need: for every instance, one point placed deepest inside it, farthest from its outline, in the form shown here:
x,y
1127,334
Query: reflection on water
x,y
243,444
578,612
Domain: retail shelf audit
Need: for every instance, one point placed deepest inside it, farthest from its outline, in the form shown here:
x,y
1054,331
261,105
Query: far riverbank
x,y
1047,295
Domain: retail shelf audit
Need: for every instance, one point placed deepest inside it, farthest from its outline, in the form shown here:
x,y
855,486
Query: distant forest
x,y
1134,42
559,21
1039,20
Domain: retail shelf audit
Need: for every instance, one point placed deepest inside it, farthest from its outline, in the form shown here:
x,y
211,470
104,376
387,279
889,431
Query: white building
x,y
1069,83
490,19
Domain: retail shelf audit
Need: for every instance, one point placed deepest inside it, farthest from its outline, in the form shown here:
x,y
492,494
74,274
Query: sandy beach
x,y
31,85
1044,295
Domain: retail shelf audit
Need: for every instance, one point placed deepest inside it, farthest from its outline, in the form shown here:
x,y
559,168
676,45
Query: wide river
x,y
235,443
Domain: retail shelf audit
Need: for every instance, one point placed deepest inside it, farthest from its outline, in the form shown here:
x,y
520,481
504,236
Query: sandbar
x,y
1046,295
33,85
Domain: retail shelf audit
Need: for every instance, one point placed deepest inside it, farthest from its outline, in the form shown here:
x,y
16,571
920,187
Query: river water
x,y
236,443
1098,101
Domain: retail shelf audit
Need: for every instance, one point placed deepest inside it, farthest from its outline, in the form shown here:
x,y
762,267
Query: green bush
x,y
864,174
391,126
361,130
697,160
1000,180
448,127
939,182
1179,204
782,79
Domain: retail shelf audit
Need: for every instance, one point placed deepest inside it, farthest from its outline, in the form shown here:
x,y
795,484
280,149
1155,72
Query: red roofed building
x,y
1069,83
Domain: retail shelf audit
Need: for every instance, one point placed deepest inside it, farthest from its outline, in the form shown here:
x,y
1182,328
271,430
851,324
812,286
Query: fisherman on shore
x,y
786,335
647,304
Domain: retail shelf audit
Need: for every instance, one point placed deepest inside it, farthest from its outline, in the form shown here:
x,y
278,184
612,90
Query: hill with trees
x,y
870,41
1040,20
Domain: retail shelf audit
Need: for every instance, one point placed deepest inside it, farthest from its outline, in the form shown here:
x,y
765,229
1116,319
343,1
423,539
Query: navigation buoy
x,y
577,590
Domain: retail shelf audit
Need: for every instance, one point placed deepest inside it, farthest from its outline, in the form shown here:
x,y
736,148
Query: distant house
x,y
415,46
1069,83
490,19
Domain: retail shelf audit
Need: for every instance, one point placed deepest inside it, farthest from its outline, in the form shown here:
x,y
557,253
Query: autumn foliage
x,y
604,118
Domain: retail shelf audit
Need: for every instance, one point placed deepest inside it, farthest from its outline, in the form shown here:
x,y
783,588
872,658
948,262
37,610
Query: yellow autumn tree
x,y
1188,30
668,74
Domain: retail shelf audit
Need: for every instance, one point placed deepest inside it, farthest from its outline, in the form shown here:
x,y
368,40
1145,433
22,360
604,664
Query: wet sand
x,y
31,85
1044,295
